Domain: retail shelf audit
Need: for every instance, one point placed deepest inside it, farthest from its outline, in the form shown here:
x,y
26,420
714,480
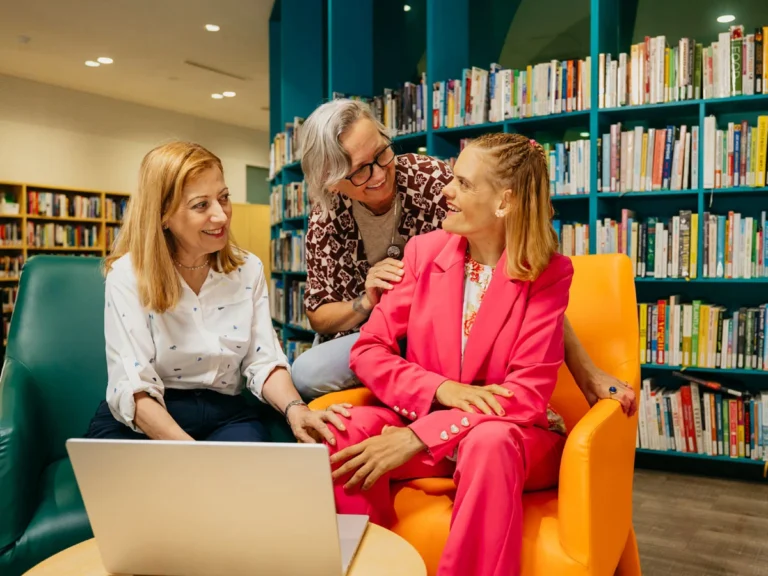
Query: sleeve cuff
x,y
123,405
256,382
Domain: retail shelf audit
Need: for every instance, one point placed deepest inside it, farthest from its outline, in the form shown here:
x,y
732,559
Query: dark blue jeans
x,y
203,414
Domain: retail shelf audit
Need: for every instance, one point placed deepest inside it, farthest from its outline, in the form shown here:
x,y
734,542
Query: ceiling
x,y
150,41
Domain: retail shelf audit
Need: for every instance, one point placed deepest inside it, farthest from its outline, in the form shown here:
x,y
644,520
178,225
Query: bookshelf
x,y
454,38
36,219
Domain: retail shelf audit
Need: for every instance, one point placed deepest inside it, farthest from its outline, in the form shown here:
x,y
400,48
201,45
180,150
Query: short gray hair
x,y
323,159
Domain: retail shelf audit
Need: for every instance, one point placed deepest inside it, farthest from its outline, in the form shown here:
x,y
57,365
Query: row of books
x,y
499,94
704,335
56,204
735,246
10,266
569,167
10,234
735,156
288,201
658,248
50,235
294,348
701,417
8,297
295,312
653,72
110,235
285,147
277,298
288,252
573,238
643,159
114,209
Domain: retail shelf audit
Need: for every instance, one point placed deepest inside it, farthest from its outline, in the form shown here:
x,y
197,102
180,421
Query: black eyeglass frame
x,y
369,166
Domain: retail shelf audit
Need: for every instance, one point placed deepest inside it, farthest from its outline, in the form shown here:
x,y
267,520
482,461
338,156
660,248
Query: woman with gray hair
x,y
367,202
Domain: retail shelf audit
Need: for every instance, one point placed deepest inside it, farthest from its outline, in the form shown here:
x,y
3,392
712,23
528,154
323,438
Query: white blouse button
x,y
454,429
413,415
465,421
443,435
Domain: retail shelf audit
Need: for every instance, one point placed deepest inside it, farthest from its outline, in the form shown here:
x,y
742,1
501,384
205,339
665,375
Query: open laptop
x,y
214,508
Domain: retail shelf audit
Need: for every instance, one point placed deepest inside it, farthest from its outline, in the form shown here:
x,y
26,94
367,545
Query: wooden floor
x,y
695,526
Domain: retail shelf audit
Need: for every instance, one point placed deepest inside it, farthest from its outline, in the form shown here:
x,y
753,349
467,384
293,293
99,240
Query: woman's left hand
x,y
377,455
600,384
309,426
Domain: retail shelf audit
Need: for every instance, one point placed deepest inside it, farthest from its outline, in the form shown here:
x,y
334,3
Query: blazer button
x,y
397,409
454,429
404,412
443,435
465,422
413,415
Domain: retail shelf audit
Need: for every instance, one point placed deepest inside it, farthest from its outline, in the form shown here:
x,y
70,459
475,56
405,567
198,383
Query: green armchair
x,y
53,378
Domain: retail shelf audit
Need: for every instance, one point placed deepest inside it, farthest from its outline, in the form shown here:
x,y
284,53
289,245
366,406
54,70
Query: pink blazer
x,y
516,341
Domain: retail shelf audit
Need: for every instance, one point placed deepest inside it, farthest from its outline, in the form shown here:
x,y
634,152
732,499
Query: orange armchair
x,y
584,526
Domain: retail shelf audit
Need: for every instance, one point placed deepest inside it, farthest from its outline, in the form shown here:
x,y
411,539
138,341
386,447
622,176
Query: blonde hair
x,y
323,159
519,164
164,172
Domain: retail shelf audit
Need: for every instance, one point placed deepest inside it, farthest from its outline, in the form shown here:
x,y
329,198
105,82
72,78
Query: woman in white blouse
x,y
187,317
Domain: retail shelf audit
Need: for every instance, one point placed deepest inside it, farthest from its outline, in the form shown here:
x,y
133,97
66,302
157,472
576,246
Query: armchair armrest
x,y
355,396
596,473
21,452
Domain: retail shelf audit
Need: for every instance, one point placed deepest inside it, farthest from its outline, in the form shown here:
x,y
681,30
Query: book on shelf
x,y
276,204
57,205
114,208
569,167
657,247
693,419
10,266
9,295
110,235
285,147
294,348
735,246
277,298
699,334
52,235
296,200
296,314
654,72
641,160
499,94
402,110
736,155
573,238
10,234
288,251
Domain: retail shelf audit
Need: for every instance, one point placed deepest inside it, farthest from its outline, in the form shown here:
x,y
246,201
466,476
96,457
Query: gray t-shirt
x,y
375,230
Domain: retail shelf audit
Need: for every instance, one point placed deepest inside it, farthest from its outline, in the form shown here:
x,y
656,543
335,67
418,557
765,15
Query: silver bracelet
x,y
291,404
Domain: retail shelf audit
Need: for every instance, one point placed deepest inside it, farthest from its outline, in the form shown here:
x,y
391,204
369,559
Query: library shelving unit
x,y
334,46
19,217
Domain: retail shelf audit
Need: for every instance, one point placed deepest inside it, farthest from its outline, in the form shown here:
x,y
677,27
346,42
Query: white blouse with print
x,y
208,340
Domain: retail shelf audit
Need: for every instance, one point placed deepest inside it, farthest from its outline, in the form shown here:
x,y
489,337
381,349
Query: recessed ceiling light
x,y
92,64
726,18
217,96
584,134
229,94
407,8
105,60
212,27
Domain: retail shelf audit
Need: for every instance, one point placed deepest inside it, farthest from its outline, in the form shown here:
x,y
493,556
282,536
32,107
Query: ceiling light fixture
x,y
584,134
212,27
92,64
217,96
406,8
105,60
726,18
229,94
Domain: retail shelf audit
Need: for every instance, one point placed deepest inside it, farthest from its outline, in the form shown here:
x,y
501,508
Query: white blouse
x,y
208,340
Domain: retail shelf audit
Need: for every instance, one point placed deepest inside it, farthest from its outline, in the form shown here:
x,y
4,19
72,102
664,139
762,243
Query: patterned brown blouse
x,y
336,262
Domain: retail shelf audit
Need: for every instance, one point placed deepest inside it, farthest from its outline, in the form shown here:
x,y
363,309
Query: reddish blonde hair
x,y
163,174
519,164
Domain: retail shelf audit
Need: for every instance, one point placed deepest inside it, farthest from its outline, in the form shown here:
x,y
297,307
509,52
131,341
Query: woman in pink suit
x,y
482,304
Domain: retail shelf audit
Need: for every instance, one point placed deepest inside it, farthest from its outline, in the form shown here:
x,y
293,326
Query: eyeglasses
x,y
365,172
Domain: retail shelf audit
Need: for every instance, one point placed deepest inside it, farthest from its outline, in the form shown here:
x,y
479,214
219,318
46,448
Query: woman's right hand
x,y
465,396
382,276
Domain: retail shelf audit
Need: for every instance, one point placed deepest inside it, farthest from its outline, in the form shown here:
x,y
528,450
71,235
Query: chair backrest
x,y
603,312
57,333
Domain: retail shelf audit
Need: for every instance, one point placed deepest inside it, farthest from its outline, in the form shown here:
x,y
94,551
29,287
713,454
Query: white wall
x,y
59,137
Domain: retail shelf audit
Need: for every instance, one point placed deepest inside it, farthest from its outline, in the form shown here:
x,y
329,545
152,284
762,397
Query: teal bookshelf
x,y
322,47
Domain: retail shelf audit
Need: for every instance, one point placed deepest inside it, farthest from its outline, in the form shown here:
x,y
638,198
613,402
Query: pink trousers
x,y
496,461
